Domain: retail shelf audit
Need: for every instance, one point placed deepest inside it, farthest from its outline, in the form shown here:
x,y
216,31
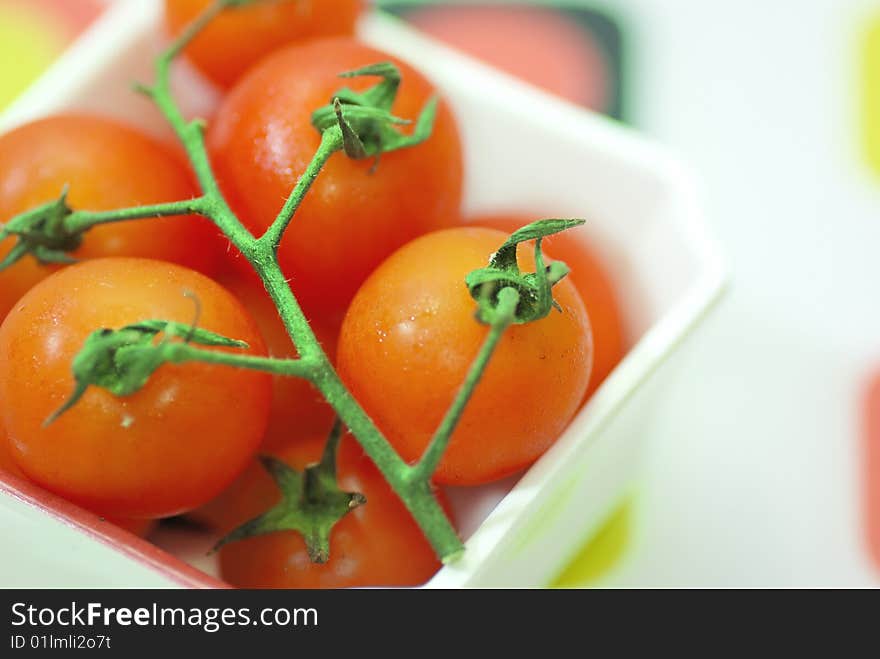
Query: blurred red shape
x,y
872,468
72,16
540,46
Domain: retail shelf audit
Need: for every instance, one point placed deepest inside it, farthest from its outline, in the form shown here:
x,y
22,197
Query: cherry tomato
x,y
7,464
168,448
238,38
377,544
107,166
409,339
140,527
298,409
262,140
591,279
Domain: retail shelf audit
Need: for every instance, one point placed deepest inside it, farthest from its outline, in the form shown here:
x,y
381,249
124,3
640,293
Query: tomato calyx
x,y
311,502
122,361
112,354
42,233
534,288
367,127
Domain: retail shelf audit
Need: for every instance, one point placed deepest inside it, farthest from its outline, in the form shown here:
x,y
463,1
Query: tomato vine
x,y
361,126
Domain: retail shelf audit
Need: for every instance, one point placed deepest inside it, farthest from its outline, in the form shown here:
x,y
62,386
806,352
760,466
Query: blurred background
x,y
762,469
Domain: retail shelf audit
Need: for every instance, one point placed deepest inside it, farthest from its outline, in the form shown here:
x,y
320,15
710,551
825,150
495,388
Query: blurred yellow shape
x,y
31,44
602,553
870,82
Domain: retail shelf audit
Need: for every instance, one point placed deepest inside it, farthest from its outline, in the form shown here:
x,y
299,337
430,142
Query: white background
x,y
753,476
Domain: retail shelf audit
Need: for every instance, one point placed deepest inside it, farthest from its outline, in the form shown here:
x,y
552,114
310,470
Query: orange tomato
x,y
168,448
107,166
140,527
238,38
377,544
590,277
7,464
353,217
409,339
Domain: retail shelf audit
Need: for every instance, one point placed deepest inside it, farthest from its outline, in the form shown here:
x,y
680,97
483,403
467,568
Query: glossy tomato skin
x,y
262,139
594,284
139,527
168,448
377,544
7,464
107,166
237,39
410,337
298,409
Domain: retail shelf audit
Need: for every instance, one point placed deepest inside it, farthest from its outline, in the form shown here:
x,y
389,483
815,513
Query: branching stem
x,y
261,253
412,483
331,142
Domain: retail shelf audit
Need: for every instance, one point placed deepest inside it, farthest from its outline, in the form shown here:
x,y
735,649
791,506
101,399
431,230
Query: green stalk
x,y
180,353
415,493
331,142
79,221
122,361
417,496
505,313
191,133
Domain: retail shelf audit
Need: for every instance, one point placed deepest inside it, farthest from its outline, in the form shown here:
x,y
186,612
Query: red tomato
x,y
591,279
140,527
7,464
410,337
262,140
298,409
168,448
377,544
107,166
238,38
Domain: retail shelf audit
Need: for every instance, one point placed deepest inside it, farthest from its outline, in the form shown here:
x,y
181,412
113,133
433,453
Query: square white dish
x,y
642,214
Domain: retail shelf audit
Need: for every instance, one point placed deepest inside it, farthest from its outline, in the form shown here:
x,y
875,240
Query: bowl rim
x,y
124,20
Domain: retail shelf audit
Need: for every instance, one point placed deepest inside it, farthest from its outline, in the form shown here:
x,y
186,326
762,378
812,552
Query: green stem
x,y
331,142
415,493
79,221
192,30
508,299
180,353
265,262
414,489
191,133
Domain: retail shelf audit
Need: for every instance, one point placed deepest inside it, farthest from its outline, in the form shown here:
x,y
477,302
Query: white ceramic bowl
x,y
525,151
